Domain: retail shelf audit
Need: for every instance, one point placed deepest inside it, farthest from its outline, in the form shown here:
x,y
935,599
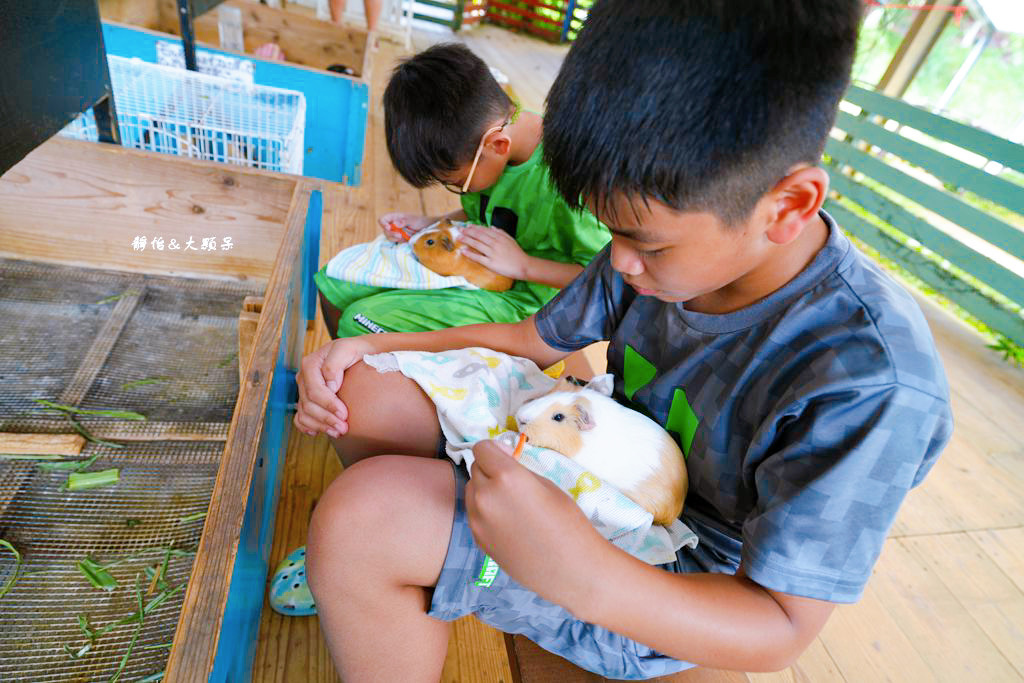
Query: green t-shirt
x,y
525,204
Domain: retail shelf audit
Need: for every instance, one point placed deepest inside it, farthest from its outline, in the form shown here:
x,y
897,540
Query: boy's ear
x,y
796,200
500,143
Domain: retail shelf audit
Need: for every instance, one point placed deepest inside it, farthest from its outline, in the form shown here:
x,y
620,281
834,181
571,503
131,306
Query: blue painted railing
x,y
239,632
336,105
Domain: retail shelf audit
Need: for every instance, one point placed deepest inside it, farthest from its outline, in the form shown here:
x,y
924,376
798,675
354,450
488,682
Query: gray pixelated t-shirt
x,y
805,418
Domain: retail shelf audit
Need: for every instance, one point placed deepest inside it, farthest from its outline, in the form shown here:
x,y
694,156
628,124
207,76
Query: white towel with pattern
x,y
477,393
383,263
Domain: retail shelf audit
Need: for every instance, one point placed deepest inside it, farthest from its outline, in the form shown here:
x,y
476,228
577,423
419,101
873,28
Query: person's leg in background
x,y
370,7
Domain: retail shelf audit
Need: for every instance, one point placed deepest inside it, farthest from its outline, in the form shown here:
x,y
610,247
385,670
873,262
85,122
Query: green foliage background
x,y
992,96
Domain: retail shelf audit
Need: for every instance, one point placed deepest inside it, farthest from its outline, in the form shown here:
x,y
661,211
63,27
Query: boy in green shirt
x,y
447,120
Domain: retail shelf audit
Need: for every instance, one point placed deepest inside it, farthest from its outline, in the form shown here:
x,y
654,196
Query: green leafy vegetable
x,y
84,650
81,430
161,598
129,292
135,636
97,575
76,465
26,456
83,623
143,382
123,414
79,481
17,567
192,518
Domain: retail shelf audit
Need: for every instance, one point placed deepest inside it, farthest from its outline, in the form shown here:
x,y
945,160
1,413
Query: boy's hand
x,y
319,409
529,526
496,249
410,223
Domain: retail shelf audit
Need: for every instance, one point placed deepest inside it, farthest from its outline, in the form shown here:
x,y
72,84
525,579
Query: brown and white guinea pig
x,y
624,448
438,250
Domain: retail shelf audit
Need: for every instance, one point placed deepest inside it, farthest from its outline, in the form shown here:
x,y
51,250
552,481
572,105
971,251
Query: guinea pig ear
x,y
582,415
447,243
602,384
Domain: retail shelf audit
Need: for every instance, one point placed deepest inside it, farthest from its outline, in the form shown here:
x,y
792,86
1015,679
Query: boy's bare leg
x,y
377,542
371,8
379,534
388,413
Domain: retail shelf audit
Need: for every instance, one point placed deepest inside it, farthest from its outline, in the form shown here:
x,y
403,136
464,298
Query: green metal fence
x,y
451,15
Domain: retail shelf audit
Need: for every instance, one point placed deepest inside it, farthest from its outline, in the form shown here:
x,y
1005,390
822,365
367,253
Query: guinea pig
x,y
438,250
622,447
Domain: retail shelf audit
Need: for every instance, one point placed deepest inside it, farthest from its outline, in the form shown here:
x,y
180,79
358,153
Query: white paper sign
x,y
231,68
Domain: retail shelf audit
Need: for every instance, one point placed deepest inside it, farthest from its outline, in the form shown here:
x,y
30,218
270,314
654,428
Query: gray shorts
x,y
471,583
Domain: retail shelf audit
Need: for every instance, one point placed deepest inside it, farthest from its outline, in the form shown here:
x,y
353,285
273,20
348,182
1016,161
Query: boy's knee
x,y
378,517
377,404
351,502
347,510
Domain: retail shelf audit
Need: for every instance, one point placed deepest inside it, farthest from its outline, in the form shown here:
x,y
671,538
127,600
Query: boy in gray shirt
x,y
801,383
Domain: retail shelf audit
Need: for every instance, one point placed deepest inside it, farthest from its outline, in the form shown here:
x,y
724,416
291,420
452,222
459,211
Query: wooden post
x,y
912,52
460,7
248,320
188,40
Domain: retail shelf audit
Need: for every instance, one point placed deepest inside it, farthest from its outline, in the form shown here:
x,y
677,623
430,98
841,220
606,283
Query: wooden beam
x,y
532,664
199,625
128,430
103,344
145,13
248,321
304,40
41,444
80,203
913,50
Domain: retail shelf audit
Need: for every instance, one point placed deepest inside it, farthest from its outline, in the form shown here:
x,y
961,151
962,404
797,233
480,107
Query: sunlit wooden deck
x,y
947,598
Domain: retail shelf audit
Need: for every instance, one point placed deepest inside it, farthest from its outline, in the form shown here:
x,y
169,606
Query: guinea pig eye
x,y
430,243
558,417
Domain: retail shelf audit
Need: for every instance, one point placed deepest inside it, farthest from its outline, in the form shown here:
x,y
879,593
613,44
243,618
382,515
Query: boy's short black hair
x,y
437,105
702,104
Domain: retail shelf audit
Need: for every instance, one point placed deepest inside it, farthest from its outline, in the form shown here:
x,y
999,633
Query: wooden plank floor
x,y
946,602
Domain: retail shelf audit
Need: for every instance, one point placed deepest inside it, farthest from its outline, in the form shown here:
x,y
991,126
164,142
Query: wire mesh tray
x,y
162,347
132,524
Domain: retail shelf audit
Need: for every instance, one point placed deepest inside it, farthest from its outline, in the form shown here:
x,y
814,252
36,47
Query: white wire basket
x,y
190,114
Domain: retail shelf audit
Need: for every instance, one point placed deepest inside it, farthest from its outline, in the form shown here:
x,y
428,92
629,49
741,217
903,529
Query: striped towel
x,y
383,263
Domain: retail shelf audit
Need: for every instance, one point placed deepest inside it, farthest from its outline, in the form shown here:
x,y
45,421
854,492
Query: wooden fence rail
x,y
943,199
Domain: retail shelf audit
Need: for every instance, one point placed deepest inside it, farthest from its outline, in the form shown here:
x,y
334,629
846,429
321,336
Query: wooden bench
x,y
531,664
936,196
